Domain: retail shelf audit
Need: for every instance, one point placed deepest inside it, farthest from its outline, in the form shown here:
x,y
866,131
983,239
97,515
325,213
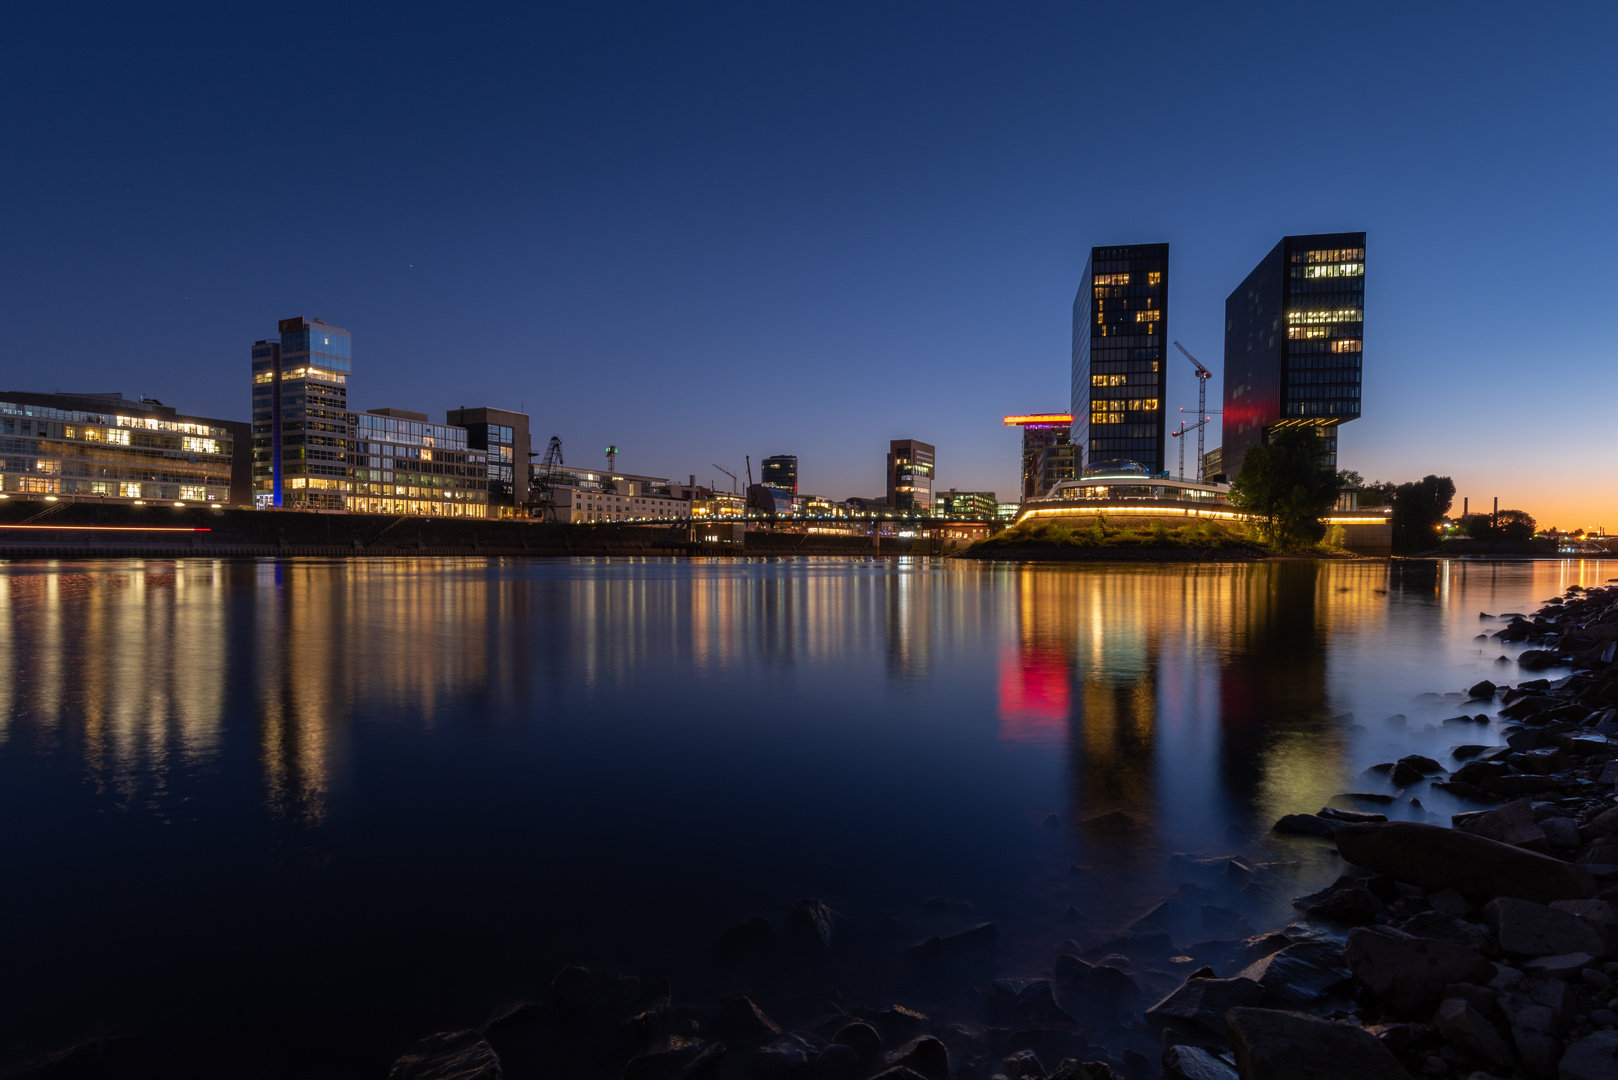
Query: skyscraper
x,y
1293,343
780,472
1047,453
1120,380
301,428
910,475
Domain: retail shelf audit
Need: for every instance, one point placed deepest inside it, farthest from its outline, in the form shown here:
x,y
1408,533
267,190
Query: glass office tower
x,y
1294,333
910,474
503,434
301,426
1120,380
780,472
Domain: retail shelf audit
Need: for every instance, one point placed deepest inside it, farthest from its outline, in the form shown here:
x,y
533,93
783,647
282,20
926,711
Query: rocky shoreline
x,y
1483,949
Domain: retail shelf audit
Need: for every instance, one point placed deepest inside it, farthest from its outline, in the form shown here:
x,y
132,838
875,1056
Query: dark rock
x,y
754,939
1437,858
1536,1031
898,1072
1441,927
807,925
1099,992
1345,901
1484,689
453,1055
1529,929
837,1062
1594,1057
1306,825
1410,973
1404,774
1538,660
899,1024
1024,1003
1467,750
925,1056
1515,785
1190,1063
1222,922
1457,1021
1300,974
1512,823
1349,815
787,1056
862,1039
1023,1065
1422,764
1275,1045
597,998
1204,1002
741,1023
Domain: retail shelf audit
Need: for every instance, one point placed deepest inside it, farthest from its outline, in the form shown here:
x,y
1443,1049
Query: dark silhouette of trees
x,y
1417,510
1515,525
1289,484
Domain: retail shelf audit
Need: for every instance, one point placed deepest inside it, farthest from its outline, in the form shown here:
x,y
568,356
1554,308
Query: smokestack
x,y
1464,504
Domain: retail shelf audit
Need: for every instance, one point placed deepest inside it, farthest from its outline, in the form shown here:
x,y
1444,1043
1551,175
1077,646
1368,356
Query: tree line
x,y
1288,485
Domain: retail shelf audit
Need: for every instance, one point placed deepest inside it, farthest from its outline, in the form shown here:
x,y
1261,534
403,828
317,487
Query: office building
x,y
82,447
780,472
402,464
300,416
974,504
503,436
1293,337
585,495
1042,432
1213,466
1119,375
910,475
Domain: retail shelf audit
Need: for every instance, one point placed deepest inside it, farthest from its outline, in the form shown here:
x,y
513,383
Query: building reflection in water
x,y
1184,690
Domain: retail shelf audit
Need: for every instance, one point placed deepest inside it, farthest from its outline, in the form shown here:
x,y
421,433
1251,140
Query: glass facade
x,y
122,451
405,466
503,436
1294,337
1119,378
780,472
300,416
910,474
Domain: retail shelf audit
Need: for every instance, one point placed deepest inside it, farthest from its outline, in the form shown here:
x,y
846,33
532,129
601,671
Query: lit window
x,y
1107,380
1297,333
1154,278
1148,316
1331,315
1112,279
1346,345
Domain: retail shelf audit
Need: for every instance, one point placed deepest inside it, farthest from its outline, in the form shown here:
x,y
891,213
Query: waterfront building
x,y
780,472
300,414
954,503
503,436
911,465
104,447
1119,375
1007,511
1042,432
1213,465
403,464
585,495
1293,343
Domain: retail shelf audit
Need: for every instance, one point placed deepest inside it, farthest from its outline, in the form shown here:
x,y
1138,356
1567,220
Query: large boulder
x,y
454,1055
1457,1021
807,925
1204,1002
1529,929
1191,1063
1594,1057
1409,973
1300,974
1513,823
1275,1045
1436,858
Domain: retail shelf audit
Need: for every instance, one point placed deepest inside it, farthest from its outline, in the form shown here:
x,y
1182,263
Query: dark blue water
x,y
354,802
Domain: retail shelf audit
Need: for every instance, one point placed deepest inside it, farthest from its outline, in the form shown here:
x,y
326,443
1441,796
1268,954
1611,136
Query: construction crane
x,y
1186,429
1203,375
733,480
543,495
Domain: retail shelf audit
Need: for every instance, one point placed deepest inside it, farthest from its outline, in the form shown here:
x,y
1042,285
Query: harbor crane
x,y
1203,375
543,495
612,459
733,480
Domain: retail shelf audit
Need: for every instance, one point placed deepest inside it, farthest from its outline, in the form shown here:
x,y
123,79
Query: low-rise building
x,y
583,495
400,463
102,446
953,504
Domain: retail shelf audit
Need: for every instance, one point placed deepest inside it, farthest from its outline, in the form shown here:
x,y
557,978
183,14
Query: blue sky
x,y
704,231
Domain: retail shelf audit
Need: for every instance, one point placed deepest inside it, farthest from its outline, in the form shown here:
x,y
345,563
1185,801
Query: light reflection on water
x,y
255,751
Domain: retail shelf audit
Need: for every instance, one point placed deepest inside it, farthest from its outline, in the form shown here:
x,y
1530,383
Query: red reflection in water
x,y
1034,695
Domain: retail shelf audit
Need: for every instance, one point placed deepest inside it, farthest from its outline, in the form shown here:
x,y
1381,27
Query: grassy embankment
x,y
1100,539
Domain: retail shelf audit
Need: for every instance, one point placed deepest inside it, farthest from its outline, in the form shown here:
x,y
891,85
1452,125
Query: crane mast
x,y
1203,375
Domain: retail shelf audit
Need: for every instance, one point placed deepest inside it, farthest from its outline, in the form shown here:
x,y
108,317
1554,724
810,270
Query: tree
x,y
1350,480
1512,525
1378,493
1290,485
1417,510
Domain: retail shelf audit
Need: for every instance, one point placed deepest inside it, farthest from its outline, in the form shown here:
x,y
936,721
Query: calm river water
x,y
387,798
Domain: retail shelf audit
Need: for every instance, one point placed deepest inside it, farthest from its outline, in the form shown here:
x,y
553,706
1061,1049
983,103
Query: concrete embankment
x,y
38,529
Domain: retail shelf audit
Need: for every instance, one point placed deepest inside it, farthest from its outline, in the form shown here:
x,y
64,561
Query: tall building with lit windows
x,y
1294,333
910,474
1120,379
301,426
